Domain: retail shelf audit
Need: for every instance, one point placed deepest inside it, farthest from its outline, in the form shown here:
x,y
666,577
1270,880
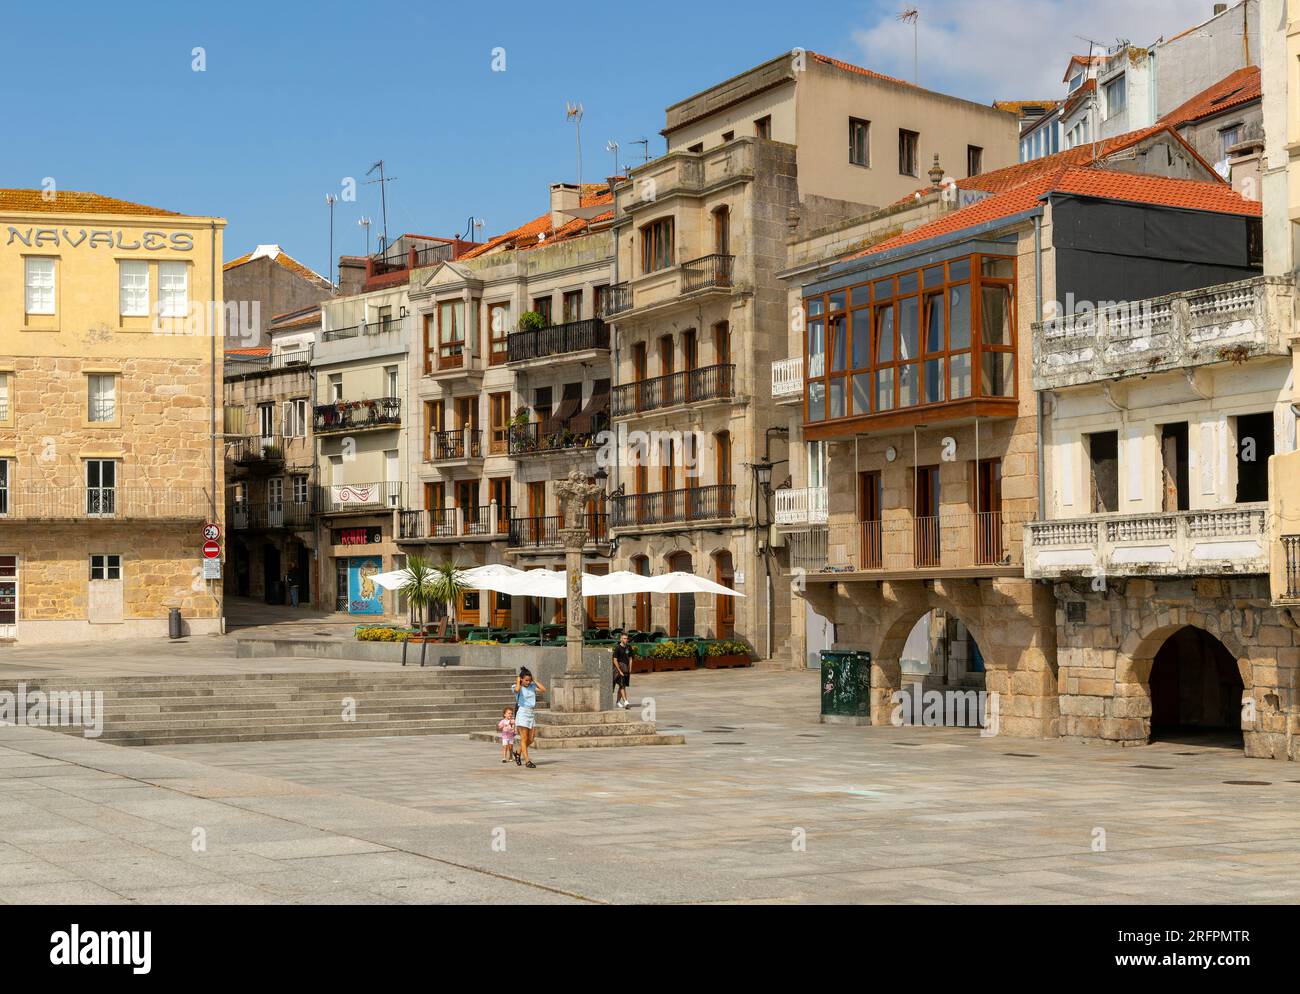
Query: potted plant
x,y
531,321
725,654
673,655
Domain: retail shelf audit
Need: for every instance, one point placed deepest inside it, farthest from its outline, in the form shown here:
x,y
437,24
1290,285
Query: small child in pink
x,y
506,726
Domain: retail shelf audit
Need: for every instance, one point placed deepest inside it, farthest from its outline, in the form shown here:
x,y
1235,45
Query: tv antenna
x,y
473,228
383,182
573,112
365,223
645,148
330,200
912,16
612,148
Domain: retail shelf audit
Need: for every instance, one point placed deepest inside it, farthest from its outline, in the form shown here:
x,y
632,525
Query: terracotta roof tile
x,y
253,353
281,258
539,232
1104,184
1235,89
73,202
859,70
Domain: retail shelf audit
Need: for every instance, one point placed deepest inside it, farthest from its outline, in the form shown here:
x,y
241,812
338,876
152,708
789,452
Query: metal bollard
x,y
174,628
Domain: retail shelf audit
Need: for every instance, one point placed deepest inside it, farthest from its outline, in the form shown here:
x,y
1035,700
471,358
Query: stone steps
x,y
268,707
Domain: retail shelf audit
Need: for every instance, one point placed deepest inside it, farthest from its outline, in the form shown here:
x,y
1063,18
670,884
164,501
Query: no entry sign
x,y
211,550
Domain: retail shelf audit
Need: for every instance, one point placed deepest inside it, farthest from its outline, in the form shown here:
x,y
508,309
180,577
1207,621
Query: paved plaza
x,y
763,804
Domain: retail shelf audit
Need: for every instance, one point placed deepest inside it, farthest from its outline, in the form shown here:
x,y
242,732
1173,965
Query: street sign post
x,y
211,550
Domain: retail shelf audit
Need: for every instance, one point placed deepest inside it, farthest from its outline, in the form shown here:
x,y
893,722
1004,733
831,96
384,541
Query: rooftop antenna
x,y
473,227
330,200
365,223
573,112
645,148
383,194
612,148
1094,107
912,16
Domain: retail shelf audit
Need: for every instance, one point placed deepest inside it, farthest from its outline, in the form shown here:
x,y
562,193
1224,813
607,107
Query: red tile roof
x,y
1104,184
253,353
1235,89
539,231
281,258
72,202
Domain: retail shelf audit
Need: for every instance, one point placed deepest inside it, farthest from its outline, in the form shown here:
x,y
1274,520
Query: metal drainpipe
x,y
212,377
1038,395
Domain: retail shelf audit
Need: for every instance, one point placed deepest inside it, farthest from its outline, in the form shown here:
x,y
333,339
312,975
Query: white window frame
x,y
101,498
266,421
133,288
295,418
173,289
275,493
300,489
39,284
106,564
4,396
1121,82
101,409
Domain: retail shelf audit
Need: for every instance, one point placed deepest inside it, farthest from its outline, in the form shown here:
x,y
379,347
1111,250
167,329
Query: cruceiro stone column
x,y
577,690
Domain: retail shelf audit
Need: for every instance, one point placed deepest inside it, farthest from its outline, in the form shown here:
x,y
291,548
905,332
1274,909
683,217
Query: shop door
x,y
8,597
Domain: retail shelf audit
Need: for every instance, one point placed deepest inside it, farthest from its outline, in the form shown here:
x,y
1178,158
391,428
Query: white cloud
x,y
1013,51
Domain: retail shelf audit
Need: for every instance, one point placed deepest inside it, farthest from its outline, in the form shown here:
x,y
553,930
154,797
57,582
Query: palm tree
x,y
418,588
446,585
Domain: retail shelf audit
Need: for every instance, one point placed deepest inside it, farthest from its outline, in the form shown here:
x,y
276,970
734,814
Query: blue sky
x,y
297,96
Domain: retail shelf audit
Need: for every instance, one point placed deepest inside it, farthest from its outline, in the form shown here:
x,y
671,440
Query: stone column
x,y
577,690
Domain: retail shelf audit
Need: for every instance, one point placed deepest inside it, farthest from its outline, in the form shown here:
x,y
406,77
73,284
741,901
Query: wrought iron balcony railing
x,y
707,271
531,439
617,300
267,515
711,503
544,533
356,415
459,443
361,497
454,522
1291,552
690,386
557,340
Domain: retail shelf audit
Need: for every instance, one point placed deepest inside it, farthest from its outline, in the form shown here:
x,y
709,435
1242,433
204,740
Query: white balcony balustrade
x,y
787,379
801,507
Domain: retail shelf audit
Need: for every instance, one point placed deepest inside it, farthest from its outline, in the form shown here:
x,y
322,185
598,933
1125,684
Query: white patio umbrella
x,y
686,583
393,580
475,578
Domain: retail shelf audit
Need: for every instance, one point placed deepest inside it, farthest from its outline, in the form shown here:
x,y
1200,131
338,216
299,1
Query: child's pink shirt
x,y
507,728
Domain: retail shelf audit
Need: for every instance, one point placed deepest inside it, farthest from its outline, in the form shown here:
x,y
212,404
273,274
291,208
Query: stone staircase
x,y
269,707
590,731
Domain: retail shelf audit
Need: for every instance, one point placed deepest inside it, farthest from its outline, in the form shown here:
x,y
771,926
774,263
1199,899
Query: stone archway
x,y
1168,641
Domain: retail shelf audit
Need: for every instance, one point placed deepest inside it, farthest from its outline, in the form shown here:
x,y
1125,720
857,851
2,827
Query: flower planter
x,y
670,665
726,662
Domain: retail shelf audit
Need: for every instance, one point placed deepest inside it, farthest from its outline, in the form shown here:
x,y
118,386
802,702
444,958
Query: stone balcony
x,y
801,507
787,380
1226,541
1228,323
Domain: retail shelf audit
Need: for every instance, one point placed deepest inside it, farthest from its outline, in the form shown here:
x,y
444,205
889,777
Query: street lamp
x,y
763,473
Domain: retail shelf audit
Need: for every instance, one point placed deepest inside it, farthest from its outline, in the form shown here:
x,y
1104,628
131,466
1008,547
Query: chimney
x,y
1219,8
564,197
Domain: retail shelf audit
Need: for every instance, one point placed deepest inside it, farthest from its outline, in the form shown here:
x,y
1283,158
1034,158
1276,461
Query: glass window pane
x,y
933,382
862,338
908,388
884,389
884,334
836,397
934,323
860,295
998,268
997,374
933,277
837,300
816,401
908,282
995,315
884,289
959,376
816,348
816,306
959,318
959,270
909,332
839,342
862,393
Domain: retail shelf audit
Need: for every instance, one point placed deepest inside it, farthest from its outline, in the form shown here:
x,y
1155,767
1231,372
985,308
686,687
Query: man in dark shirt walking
x,y
622,654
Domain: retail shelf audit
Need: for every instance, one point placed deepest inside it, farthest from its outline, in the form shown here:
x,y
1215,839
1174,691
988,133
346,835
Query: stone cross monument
x,y
577,690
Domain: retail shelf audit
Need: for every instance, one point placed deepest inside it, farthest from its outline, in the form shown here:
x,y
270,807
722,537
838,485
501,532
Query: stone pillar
x,y
576,691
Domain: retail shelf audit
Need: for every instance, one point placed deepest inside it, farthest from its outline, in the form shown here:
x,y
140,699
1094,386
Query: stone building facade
x,y
108,461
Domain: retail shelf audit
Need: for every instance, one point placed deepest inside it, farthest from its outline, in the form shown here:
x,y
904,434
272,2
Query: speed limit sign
x,y
211,532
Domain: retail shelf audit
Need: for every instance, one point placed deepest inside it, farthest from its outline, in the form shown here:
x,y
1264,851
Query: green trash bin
x,y
846,685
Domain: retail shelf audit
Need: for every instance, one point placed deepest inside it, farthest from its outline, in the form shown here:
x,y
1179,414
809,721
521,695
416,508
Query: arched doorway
x,y
724,607
1196,691
942,674
681,607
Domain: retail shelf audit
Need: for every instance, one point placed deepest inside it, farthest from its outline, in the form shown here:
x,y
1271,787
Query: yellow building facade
x,y
108,468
